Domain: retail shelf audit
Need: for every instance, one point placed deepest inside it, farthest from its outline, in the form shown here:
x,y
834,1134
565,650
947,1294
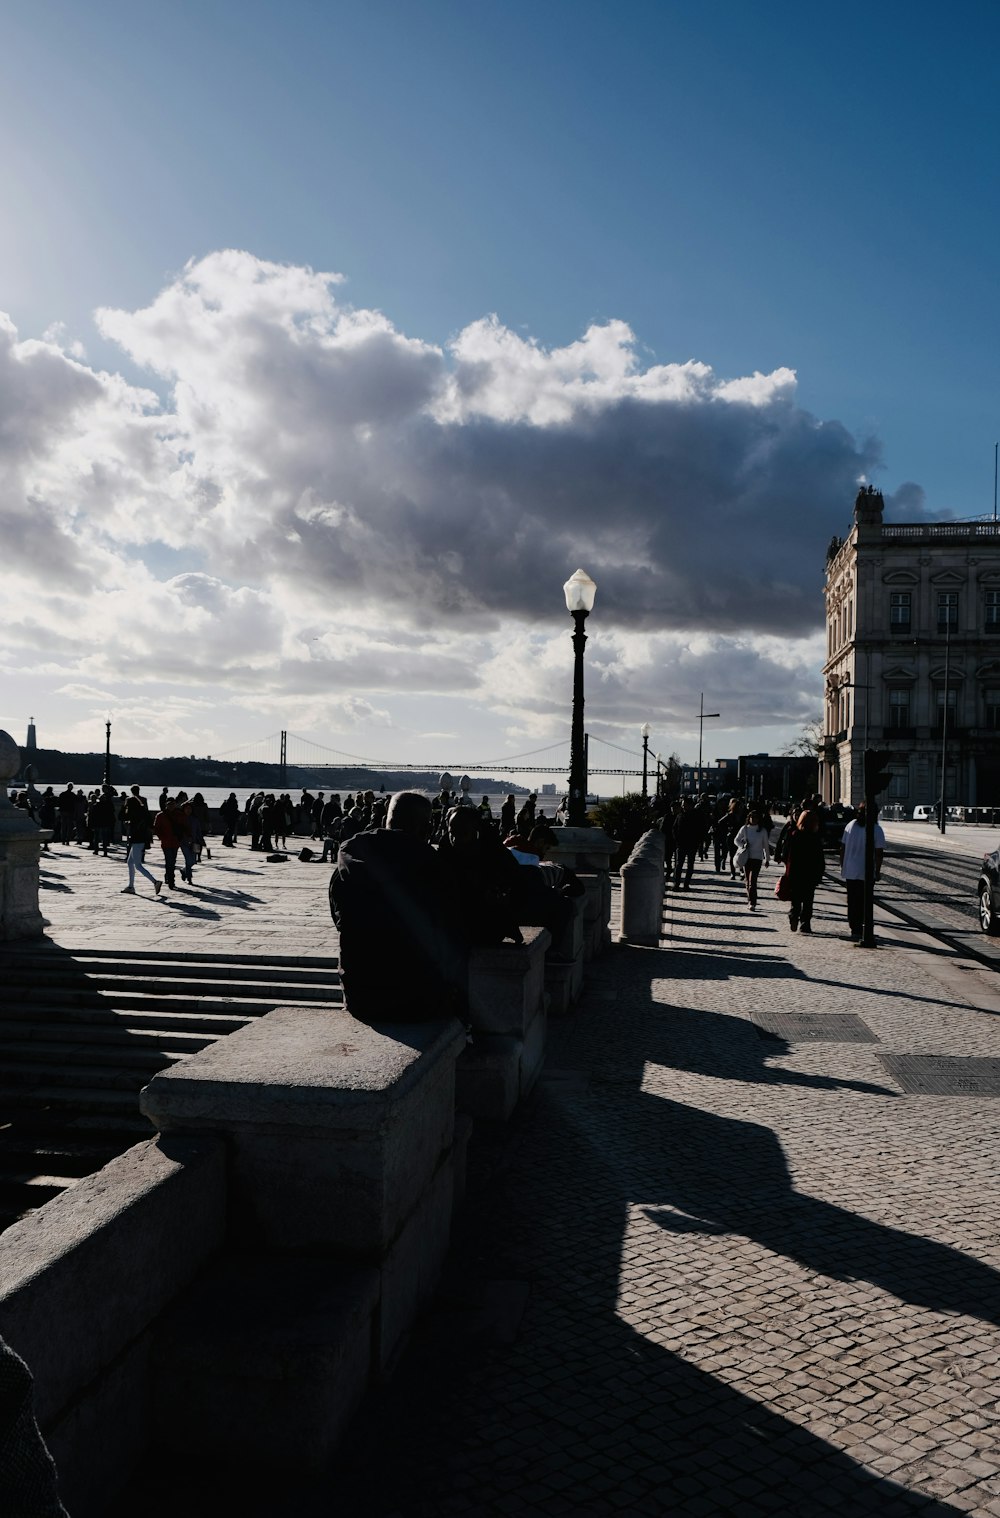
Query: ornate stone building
x,y
913,657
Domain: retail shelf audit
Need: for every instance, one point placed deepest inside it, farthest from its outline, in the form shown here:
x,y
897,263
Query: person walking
x,y
852,868
687,837
165,826
185,838
140,836
751,851
804,866
229,811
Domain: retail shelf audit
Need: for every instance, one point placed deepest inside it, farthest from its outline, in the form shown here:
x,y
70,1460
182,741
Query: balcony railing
x,y
941,530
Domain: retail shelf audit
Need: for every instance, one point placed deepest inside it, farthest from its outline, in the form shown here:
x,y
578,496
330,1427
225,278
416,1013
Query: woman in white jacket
x,y
753,849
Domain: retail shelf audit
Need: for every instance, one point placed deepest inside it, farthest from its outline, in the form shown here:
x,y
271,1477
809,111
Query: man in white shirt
x,y
852,868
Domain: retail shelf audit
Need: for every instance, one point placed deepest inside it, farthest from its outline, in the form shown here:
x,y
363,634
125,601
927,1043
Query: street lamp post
x,y
645,731
579,591
107,752
659,776
703,715
944,722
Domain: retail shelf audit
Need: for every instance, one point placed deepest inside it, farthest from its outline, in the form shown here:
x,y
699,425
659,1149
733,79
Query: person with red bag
x,y
804,866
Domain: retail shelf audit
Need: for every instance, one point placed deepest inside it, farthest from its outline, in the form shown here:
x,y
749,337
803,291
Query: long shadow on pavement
x,y
568,1409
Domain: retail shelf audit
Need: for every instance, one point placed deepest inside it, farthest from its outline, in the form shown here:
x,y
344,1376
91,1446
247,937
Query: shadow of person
x,y
643,1379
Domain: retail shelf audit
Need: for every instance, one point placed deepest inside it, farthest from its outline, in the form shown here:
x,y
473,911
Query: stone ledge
x,y
264,1361
85,1274
334,1129
506,983
304,1066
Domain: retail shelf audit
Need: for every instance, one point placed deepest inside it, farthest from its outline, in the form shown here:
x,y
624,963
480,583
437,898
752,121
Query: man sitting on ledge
x,y
400,957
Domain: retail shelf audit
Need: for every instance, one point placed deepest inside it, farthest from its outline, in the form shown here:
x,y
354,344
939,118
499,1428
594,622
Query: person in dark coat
x,y
805,863
229,811
402,957
485,879
688,827
101,820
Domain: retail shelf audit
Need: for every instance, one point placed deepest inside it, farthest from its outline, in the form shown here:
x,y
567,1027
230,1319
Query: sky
x,y
337,336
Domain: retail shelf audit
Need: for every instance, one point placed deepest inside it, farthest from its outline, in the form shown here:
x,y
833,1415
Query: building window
x,y
952,694
899,785
991,615
947,602
899,611
991,699
899,707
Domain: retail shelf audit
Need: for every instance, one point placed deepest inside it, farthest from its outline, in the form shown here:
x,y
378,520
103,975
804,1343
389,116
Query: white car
x,y
925,813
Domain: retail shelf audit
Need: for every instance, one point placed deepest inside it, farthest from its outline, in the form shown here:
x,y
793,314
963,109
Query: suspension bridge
x,y
286,749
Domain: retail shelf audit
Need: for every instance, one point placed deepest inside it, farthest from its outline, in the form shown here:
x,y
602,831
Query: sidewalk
x,y
721,1272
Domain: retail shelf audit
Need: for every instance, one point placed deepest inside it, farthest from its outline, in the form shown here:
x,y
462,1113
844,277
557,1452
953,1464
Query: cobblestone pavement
x,y
712,1271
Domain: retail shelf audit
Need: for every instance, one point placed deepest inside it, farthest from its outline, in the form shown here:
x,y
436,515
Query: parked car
x,y
832,822
927,813
988,892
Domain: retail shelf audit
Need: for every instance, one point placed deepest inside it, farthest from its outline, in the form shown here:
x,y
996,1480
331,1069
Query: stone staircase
x,y
83,1030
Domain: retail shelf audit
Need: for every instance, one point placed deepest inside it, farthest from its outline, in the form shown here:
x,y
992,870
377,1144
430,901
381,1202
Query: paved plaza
x,y
721,1272
711,1268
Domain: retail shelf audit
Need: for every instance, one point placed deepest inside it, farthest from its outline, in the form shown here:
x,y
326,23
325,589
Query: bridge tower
x,y
283,761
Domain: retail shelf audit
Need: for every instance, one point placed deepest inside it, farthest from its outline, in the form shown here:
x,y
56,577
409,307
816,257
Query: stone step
x,y
125,1001
132,1127
15,1055
38,1077
73,987
100,1102
51,971
108,1015
28,1191
30,1145
256,962
72,1032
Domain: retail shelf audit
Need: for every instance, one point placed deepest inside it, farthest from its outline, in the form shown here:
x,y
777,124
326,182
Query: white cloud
x,y
327,509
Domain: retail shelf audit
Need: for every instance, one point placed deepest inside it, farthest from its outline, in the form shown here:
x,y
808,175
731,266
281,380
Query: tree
x,y
671,776
625,818
809,741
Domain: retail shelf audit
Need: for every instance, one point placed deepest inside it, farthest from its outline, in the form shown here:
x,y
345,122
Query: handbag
x,y
783,886
740,858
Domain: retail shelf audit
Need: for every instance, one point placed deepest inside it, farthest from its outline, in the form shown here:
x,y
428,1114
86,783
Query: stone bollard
x,y
507,1006
642,890
21,842
564,963
589,852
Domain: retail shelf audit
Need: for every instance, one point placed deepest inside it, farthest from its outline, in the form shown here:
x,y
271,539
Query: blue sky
x,y
752,188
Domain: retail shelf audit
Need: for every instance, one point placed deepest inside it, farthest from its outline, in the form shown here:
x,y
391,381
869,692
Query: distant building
x,y
776,777
715,778
913,657
31,746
